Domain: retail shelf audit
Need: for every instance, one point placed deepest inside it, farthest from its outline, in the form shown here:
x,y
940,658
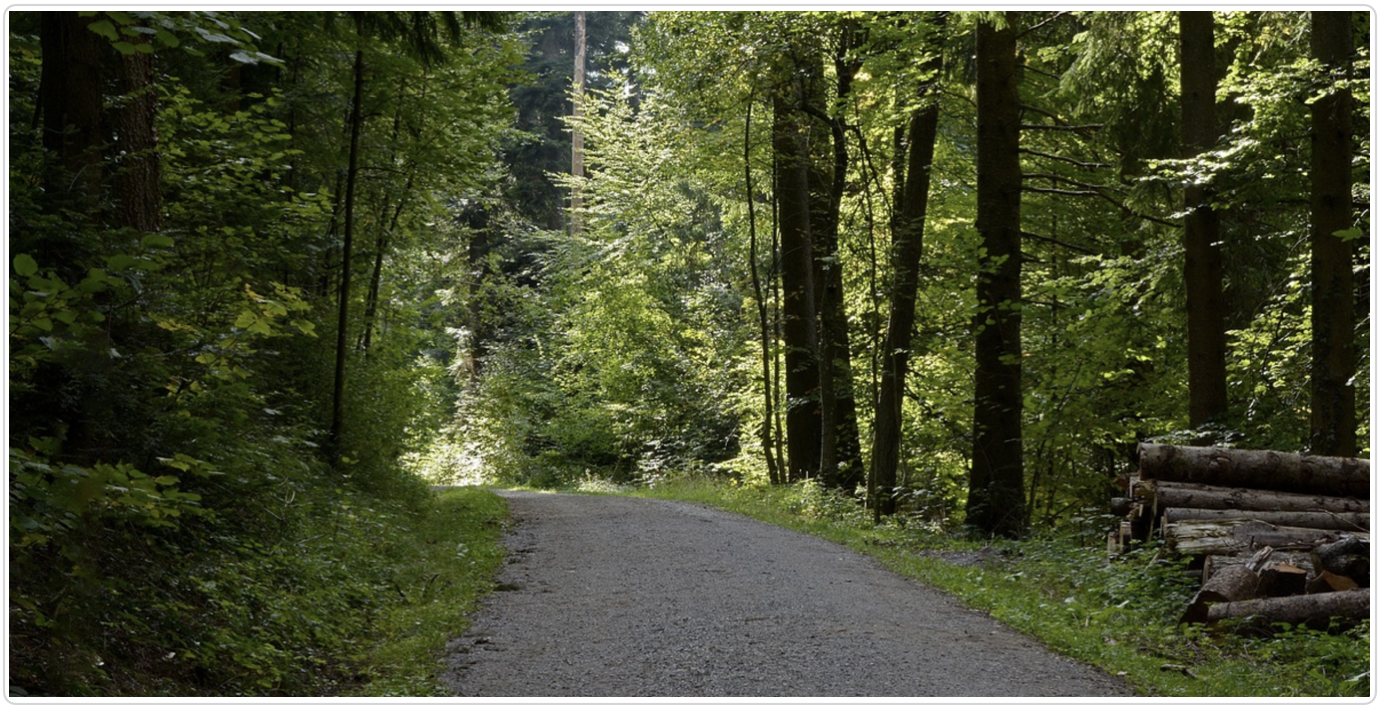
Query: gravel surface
x,y
617,596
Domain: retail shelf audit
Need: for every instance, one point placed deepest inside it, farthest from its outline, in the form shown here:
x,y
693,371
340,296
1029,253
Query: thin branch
x,y
1075,128
1064,192
1069,160
1038,25
1057,242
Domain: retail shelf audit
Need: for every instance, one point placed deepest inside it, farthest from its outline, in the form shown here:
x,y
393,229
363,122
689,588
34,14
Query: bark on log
x,y
1257,469
1301,519
1348,557
1160,495
1232,584
1315,611
1232,537
1213,565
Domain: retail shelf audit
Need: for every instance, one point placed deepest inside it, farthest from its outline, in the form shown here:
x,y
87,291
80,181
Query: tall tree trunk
x,y
1333,396
841,453
1207,345
764,431
798,330
347,256
139,169
995,500
70,92
577,135
906,249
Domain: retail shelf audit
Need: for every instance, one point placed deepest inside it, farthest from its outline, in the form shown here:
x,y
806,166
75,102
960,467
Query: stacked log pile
x,y
1274,537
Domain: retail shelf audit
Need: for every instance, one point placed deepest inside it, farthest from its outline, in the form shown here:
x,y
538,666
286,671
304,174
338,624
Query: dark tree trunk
x,y
138,166
768,394
841,453
798,330
1333,426
1207,345
995,500
906,250
70,92
347,256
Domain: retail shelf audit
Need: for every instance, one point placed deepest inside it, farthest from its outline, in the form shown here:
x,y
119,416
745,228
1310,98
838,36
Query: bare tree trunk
x,y
906,250
803,418
347,256
1207,344
71,92
1333,395
139,170
996,503
577,135
768,395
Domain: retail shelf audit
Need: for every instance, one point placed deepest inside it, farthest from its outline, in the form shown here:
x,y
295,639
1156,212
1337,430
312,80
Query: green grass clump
x,y
1119,614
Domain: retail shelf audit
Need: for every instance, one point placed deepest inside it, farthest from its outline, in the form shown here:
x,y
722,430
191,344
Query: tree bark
x,y
798,330
1333,395
1207,345
907,249
1302,519
347,256
577,135
1257,469
1205,538
995,500
768,395
1315,611
1163,495
139,169
71,92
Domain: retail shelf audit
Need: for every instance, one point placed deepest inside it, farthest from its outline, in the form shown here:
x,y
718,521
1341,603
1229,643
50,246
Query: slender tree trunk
x,y
906,250
577,136
1207,345
347,256
995,498
764,431
803,418
1333,422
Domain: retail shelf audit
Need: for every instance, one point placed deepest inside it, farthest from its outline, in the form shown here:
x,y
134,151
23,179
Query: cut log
x,y
1301,519
1315,611
1282,580
1161,495
1349,557
1214,564
1257,469
1232,584
1232,537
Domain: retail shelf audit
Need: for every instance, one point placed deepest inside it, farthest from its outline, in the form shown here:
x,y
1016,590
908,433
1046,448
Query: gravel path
x,y
616,596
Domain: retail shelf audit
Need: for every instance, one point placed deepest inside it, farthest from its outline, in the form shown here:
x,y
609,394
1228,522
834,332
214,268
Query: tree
x,y
995,490
1333,399
804,419
1207,368
907,247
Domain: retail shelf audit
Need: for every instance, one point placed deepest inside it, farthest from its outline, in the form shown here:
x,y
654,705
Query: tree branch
x,y
1069,160
1057,242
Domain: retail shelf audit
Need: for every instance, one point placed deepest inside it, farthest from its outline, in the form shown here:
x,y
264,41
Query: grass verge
x,y
1117,614
446,563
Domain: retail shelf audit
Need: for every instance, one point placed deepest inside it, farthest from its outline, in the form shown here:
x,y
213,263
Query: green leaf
x,y
1349,234
156,240
105,28
120,261
25,265
125,48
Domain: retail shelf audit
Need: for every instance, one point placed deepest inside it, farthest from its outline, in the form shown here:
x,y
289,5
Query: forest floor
x,y
618,596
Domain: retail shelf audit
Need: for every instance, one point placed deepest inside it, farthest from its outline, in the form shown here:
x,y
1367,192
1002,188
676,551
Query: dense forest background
x,y
273,273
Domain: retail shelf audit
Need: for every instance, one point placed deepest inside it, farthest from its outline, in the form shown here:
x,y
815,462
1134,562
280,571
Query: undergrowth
x,y
1120,614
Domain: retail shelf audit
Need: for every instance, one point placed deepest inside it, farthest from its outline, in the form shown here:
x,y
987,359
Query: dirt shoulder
x,y
616,596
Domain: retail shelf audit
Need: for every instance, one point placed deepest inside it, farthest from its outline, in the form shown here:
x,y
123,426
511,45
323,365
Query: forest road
x,y
629,597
